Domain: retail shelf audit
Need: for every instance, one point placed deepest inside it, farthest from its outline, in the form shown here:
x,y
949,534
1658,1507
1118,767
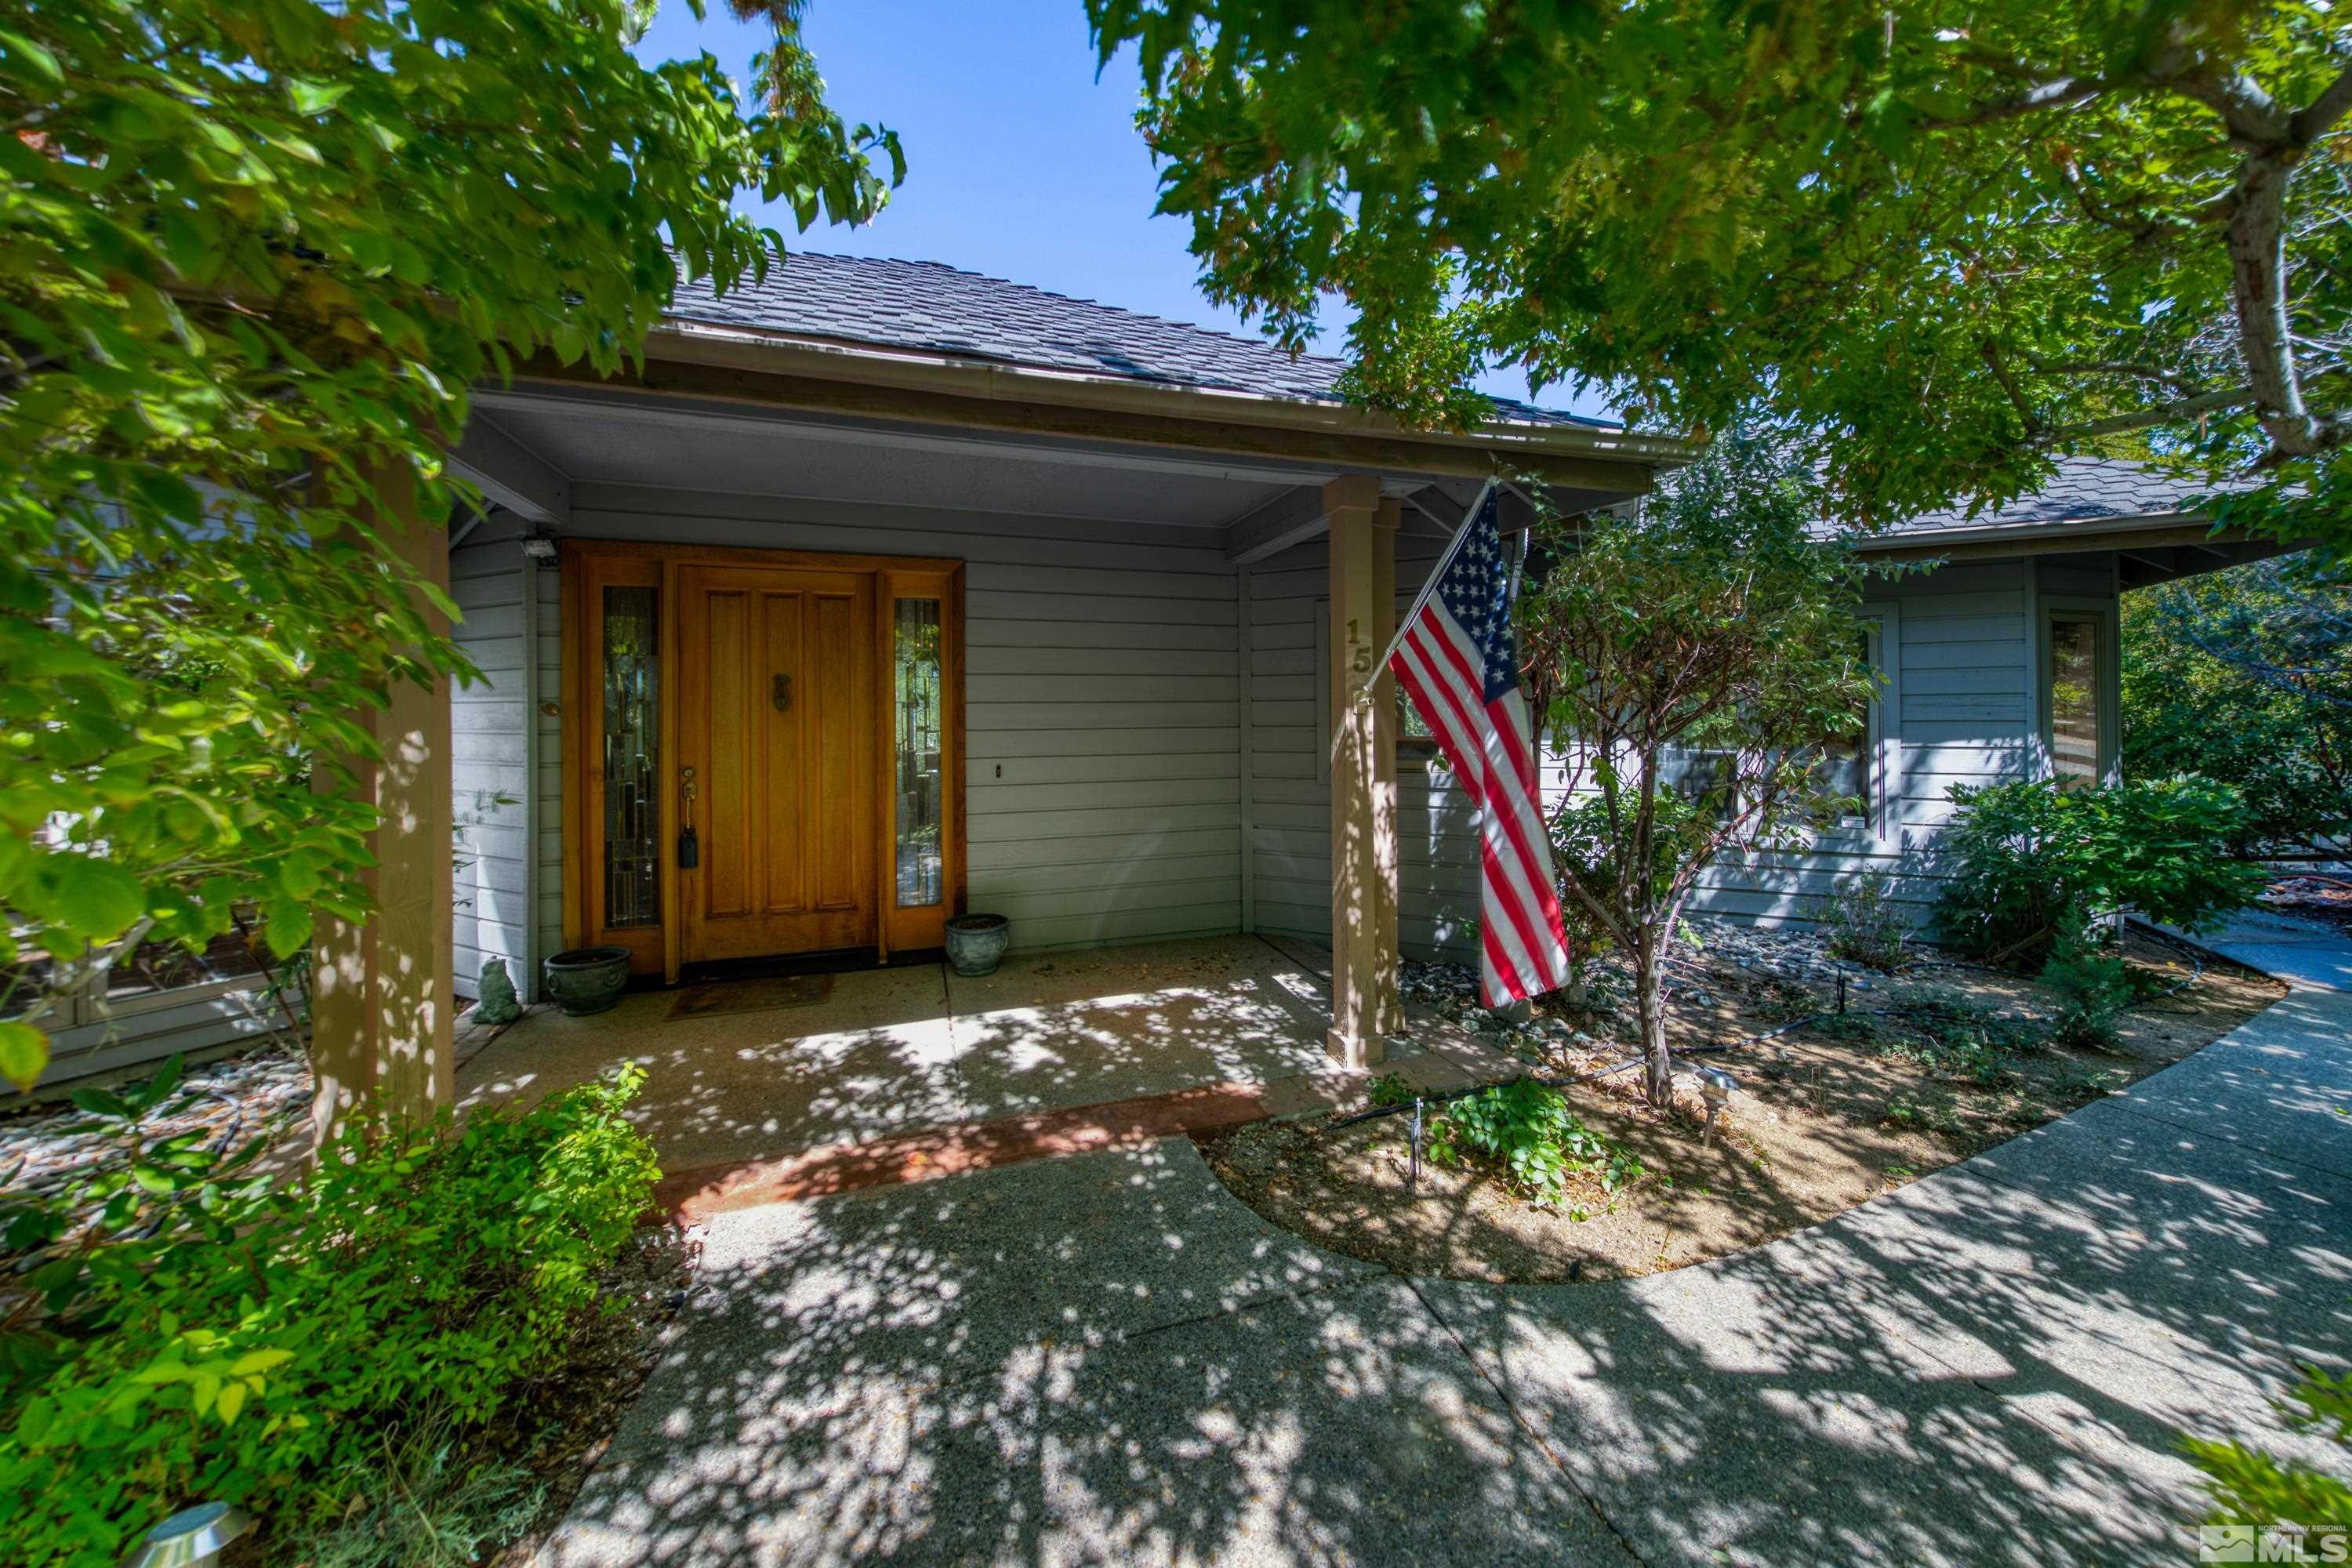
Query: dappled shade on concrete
x,y
894,1052
1106,1358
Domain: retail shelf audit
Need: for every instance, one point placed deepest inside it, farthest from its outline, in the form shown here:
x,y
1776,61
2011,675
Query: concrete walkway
x,y
1106,1358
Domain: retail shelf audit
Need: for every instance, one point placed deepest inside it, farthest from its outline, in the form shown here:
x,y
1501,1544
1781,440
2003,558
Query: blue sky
x,y
1019,164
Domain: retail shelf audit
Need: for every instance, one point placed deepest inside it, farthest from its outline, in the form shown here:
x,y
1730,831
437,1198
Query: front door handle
x,y
780,692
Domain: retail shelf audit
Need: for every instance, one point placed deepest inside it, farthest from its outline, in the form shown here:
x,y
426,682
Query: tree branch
x,y
2148,418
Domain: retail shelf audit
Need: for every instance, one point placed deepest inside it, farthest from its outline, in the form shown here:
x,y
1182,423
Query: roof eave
x,y
2047,536
702,343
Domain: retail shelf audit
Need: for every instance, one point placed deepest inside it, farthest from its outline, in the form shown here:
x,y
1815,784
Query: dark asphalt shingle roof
x,y
2083,489
934,308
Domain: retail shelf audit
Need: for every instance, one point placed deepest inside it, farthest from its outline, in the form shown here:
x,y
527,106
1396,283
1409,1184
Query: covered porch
x,y
761,1089
835,622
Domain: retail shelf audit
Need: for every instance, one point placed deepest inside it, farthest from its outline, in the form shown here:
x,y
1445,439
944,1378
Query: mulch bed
x,y
1828,1115
2313,896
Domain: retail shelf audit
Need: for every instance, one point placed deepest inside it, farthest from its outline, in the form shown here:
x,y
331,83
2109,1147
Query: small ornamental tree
x,y
2246,677
1714,623
251,257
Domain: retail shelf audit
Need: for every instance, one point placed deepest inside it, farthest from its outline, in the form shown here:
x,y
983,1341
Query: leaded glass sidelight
x,y
920,686
632,757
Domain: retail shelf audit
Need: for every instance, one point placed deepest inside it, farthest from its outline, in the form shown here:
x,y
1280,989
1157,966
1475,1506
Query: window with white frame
x,y
2078,694
1856,771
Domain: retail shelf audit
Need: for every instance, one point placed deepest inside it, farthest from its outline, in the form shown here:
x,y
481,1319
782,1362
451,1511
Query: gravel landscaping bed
x,y
1927,1067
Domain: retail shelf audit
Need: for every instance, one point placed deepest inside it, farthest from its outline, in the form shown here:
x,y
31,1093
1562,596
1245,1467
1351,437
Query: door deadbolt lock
x,y
780,692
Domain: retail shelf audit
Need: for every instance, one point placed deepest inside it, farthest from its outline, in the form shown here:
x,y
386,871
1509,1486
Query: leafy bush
x,y
1393,1088
2250,1486
2031,864
213,1334
1527,1132
1861,924
2245,675
2093,989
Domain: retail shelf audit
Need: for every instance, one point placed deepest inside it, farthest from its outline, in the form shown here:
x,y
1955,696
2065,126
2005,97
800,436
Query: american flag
x,y
1458,661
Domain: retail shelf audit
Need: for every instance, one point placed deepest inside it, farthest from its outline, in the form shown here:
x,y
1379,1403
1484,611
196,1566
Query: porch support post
x,y
1363,772
380,994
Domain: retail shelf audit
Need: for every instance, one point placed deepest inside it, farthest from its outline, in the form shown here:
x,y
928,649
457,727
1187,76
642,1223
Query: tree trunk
x,y
1650,1006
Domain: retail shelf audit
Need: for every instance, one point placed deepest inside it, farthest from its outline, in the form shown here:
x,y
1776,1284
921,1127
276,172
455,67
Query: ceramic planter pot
x,y
587,980
975,943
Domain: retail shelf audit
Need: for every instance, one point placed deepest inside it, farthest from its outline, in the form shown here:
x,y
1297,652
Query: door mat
x,y
712,997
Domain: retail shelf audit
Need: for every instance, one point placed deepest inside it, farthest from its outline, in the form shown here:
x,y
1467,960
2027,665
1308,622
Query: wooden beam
x,y
1290,519
1364,881
511,474
382,997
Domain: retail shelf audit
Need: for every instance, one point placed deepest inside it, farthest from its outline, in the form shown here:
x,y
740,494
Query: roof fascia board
x,y
686,342
677,413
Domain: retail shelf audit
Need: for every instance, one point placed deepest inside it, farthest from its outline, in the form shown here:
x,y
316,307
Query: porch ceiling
x,y
639,440
530,447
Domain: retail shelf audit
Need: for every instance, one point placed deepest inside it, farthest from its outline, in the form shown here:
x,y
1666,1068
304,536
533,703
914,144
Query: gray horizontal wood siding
x,y
1102,703
494,792
1962,712
1437,848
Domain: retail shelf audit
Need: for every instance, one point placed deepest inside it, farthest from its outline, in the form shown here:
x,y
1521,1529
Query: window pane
x,y
1410,725
2074,699
1701,775
920,688
1845,759
632,808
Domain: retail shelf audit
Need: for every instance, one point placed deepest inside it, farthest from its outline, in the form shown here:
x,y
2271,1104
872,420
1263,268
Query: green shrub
x,y
2250,1486
2093,989
2031,864
219,1337
1393,1088
1526,1132
1861,924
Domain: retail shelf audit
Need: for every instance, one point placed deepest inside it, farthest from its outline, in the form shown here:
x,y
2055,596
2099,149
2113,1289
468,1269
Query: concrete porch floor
x,y
947,1072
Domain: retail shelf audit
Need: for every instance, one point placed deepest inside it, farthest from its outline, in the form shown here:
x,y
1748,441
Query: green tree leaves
x,y
252,258
1946,241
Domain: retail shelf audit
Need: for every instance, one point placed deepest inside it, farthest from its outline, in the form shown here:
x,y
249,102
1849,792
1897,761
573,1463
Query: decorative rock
x,y
496,1002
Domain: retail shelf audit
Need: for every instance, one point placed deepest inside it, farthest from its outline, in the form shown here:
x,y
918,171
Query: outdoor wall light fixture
x,y
539,548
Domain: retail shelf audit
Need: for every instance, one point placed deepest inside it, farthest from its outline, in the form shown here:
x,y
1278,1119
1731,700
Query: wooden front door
x,y
778,722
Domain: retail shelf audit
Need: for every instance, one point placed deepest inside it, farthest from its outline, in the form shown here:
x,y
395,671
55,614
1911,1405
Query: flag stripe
x,y
1457,663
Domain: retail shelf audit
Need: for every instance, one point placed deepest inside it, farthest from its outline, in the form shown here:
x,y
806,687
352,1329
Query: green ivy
x,y
252,256
192,1330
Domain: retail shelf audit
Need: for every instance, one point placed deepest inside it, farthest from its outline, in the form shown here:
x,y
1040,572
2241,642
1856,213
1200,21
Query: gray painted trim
x,y
1246,741
511,474
527,983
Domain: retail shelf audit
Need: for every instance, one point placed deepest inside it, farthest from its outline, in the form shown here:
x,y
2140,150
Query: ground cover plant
x,y
1927,1066
1525,1130
180,1324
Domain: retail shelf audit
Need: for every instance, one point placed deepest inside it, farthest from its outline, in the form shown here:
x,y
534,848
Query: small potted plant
x,y
975,943
586,980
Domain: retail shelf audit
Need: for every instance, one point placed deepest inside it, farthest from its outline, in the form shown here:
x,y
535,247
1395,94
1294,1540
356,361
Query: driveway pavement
x,y
1108,1359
